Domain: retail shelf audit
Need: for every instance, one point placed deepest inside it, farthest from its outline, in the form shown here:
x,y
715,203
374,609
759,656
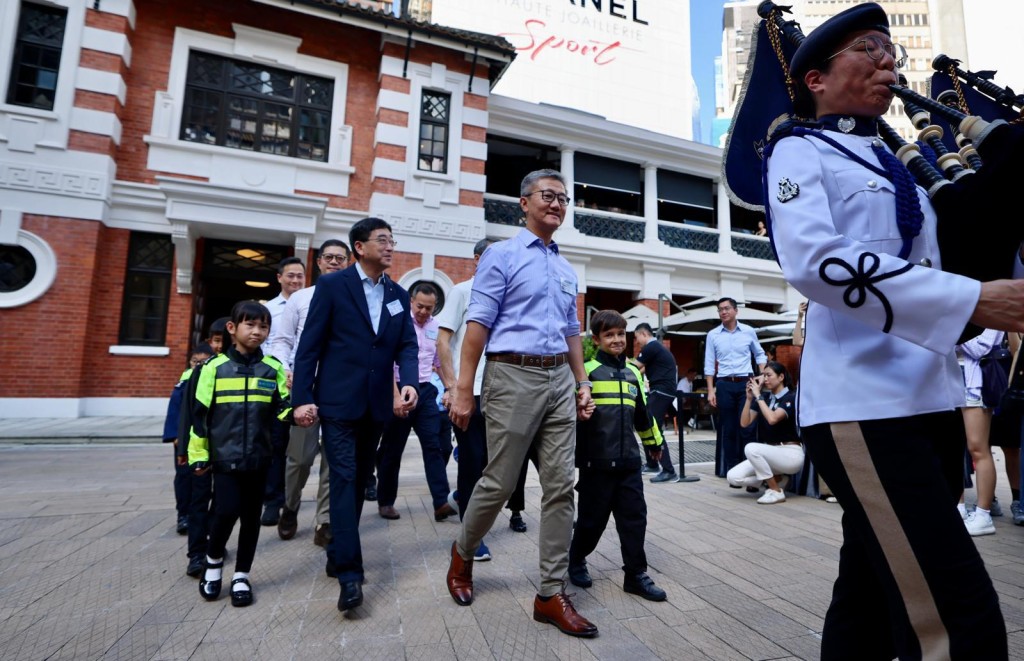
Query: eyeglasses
x,y
385,241
727,308
334,259
877,49
550,196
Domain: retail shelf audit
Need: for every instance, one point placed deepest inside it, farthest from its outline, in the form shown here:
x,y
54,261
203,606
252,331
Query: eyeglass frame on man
x,y
549,196
335,258
898,62
383,241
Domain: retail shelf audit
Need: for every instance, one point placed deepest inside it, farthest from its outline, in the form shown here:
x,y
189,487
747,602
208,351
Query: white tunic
x,y
837,241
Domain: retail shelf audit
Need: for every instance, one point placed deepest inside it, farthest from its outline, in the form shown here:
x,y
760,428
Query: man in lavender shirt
x,y
523,309
425,418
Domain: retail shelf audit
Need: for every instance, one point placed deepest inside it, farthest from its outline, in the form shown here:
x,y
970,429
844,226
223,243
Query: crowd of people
x,y
880,390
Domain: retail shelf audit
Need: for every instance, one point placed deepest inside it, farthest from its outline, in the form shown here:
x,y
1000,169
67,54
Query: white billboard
x,y
626,60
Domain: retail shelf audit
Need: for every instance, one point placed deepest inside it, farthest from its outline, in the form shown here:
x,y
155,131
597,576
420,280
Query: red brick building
x,y
157,160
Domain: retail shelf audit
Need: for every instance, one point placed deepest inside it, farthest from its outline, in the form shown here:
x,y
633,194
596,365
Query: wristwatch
x,y
580,384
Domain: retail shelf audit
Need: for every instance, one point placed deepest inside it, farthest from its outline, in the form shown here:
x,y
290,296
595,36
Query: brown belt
x,y
530,360
734,379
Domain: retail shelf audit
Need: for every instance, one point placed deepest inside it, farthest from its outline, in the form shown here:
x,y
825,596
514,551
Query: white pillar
x,y
568,170
724,222
651,204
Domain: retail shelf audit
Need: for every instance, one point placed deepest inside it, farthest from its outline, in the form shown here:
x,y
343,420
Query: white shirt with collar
x,y
276,307
374,295
289,327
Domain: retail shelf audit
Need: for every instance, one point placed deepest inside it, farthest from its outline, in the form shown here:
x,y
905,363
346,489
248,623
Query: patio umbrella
x,y
699,321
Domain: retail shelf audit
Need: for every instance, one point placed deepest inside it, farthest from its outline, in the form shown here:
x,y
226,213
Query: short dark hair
x,y
424,288
334,242
362,230
643,326
781,370
219,325
288,261
604,320
481,246
732,301
535,176
202,347
249,310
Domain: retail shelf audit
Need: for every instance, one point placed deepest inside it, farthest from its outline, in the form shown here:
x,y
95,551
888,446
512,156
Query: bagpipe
x,y
970,171
969,199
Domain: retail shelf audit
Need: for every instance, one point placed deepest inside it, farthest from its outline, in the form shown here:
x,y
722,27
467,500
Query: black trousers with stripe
x,y
911,583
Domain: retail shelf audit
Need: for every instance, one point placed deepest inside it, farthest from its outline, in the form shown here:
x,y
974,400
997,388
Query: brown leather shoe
x,y
460,579
389,512
322,535
559,611
288,524
443,512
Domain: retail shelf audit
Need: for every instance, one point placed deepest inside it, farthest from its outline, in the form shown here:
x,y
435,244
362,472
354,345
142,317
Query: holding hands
x,y
305,415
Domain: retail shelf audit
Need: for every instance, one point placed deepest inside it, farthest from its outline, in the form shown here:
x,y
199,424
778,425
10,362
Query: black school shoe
x,y
579,576
241,598
210,590
182,528
196,565
643,586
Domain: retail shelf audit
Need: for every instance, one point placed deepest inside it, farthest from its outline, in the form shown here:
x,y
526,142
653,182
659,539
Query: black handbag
x,y
995,375
1012,401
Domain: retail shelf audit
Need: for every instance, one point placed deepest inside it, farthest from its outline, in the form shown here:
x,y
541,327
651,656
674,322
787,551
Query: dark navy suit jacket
x,y
341,365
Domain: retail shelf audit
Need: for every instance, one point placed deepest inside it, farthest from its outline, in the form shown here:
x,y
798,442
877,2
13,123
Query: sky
x,y
993,42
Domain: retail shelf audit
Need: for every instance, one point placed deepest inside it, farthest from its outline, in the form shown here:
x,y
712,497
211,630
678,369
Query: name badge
x,y
568,286
395,307
431,334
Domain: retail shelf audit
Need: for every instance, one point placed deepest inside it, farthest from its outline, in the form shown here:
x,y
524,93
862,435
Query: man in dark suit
x,y
357,328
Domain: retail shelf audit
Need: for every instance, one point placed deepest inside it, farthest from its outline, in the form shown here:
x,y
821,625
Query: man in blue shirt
x,y
728,356
523,309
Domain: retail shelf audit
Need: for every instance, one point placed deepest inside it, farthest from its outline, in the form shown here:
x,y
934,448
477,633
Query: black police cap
x,y
829,36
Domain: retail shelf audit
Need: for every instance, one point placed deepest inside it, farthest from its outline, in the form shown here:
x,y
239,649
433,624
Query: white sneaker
x,y
771,497
979,523
453,500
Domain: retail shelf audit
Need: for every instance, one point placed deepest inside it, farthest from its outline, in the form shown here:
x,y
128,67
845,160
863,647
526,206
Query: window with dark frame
x,y
435,118
36,62
253,107
147,289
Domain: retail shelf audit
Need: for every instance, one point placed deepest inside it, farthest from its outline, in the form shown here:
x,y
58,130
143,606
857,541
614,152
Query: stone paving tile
x,y
93,569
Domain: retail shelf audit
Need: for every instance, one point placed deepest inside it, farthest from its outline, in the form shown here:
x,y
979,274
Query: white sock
x,y
213,573
240,587
983,511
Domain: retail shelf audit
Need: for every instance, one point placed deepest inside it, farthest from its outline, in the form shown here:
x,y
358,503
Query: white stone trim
x,y
474,149
244,170
102,82
106,41
124,8
474,117
42,253
393,100
473,182
96,121
78,407
51,127
132,350
431,274
392,134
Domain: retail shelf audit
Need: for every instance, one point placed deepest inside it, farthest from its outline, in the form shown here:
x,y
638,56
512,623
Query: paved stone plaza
x,y
91,568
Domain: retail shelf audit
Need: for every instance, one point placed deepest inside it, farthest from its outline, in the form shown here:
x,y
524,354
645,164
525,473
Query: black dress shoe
x,y
351,596
644,586
241,598
579,576
196,565
182,528
210,590
271,515
516,523
371,493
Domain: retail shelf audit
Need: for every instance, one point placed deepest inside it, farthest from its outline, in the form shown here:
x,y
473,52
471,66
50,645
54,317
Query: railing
x,y
610,227
748,246
679,236
503,212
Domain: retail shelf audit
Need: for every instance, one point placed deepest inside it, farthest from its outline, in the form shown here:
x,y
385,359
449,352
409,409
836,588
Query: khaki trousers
x,y
526,406
302,451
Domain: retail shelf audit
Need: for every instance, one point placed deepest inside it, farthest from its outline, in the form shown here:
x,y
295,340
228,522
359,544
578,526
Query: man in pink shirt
x,y
425,419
